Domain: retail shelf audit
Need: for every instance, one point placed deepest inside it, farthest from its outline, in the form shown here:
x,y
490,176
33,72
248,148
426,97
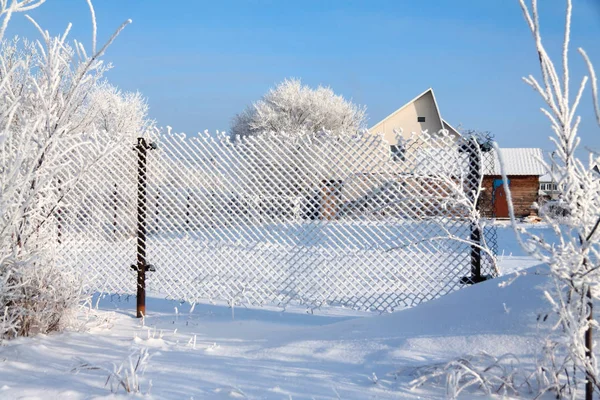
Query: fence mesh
x,y
313,219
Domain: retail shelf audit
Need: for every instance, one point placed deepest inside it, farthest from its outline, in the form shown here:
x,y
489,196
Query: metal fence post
x,y
156,222
115,209
141,266
474,177
59,219
474,151
187,210
141,228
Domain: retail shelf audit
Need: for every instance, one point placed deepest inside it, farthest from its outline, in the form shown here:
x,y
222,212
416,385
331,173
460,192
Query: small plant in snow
x,y
125,375
192,342
373,378
482,372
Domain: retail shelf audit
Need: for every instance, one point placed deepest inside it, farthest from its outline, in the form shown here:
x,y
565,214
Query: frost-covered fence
x,y
314,219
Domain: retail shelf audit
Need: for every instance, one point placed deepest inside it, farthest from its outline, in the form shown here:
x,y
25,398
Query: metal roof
x,y
518,161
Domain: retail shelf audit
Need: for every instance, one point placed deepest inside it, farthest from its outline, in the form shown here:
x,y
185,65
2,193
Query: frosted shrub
x,y
555,210
575,218
42,298
53,128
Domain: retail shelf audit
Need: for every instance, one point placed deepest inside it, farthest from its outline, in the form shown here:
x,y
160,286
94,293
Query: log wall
x,y
524,192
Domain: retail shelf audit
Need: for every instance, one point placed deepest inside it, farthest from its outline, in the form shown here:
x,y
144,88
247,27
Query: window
x,y
549,187
420,119
397,152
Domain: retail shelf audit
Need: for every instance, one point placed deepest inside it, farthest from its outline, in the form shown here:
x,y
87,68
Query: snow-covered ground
x,y
212,351
511,257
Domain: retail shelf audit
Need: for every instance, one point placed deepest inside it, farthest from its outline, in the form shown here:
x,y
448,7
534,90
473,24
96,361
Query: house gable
x,y
418,115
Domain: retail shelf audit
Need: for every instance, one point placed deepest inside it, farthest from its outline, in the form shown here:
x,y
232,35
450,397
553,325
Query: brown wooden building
x,y
523,170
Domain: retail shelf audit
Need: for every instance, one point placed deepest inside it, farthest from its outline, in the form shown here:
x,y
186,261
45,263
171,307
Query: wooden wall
x,y
524,192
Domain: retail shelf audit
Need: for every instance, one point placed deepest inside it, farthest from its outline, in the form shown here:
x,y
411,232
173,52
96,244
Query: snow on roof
x,y
546,178
519,161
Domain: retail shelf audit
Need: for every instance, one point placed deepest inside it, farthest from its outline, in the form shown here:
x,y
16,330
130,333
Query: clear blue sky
x,y
200,62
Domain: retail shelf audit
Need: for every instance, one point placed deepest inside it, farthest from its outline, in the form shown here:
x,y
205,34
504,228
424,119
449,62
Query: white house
x,y
523,164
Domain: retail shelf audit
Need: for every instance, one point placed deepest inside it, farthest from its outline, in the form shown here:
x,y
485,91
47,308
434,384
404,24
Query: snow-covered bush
x,y
554,209
119,113
574,259
292,107
51,133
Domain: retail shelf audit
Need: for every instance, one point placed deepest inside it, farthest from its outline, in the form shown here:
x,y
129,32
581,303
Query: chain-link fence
x,y
314,219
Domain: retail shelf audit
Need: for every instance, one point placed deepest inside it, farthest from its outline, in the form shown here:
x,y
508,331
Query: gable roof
x,y
517,161
443,123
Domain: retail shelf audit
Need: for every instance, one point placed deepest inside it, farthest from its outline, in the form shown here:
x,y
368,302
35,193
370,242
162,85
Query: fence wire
x,y
314,219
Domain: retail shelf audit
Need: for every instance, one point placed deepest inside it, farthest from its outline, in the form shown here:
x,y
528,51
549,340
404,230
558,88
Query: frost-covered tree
x,y
123,113
50,136
291,108
574,259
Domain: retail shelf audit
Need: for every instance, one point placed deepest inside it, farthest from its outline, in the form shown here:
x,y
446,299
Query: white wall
x,y
406,119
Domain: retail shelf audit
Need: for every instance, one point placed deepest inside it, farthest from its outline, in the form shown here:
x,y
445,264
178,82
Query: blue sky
x,y
200,62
